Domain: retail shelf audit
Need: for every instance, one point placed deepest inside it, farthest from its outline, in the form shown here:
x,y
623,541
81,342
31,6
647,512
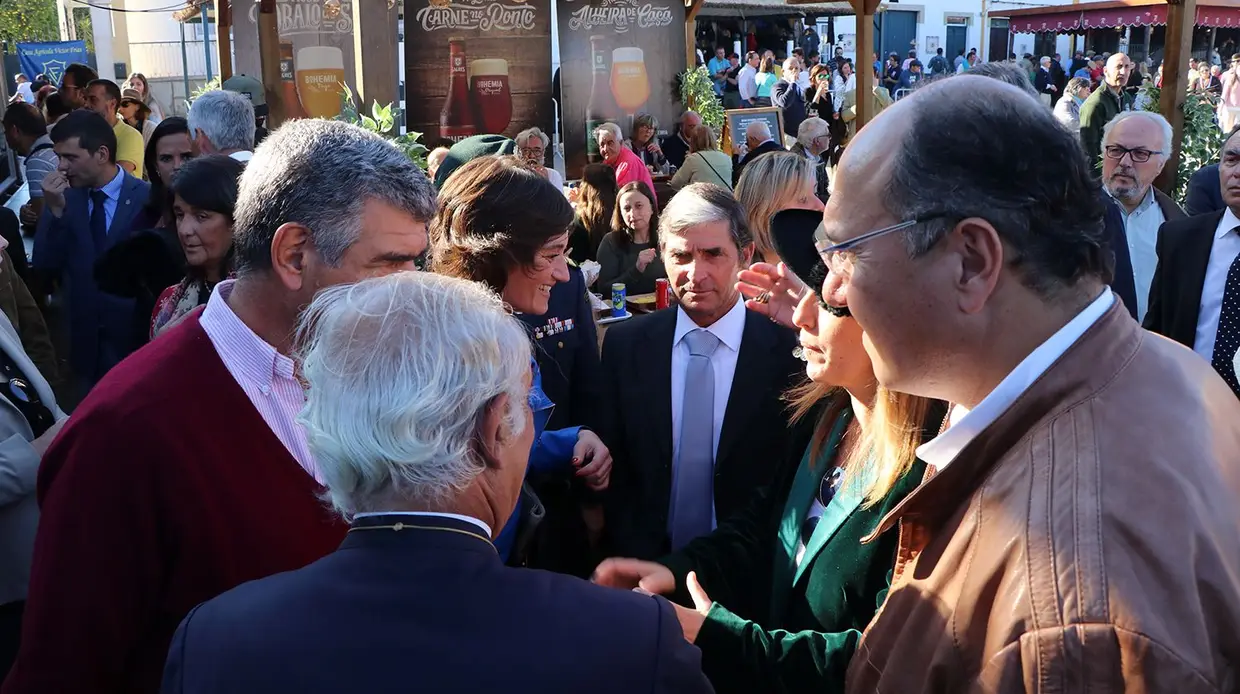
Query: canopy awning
x,y
1110,15
771,8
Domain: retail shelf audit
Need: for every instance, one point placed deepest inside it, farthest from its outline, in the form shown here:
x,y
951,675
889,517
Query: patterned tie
x,y
99,221
1227,340
693,480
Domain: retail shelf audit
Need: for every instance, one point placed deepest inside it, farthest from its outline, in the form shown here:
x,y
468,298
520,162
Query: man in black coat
x,y
787,96
692,409
1205,193
759,140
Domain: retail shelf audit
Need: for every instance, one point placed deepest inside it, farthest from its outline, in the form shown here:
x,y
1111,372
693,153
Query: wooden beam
x,y
691,13
269,60
1181,15
375,54
864,67
223,38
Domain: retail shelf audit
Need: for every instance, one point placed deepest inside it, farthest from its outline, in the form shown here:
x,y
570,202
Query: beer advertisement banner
x,y
476,67
316,52
618,58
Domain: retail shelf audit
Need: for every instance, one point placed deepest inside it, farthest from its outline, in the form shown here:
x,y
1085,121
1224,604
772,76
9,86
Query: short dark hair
x,y
56,106
939,51
1050,215
210,183
158,202
1005,73
113,91
90,129
26,118
82,75
494,214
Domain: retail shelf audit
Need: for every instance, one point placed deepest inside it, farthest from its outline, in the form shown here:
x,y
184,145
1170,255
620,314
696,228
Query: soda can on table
x,y
619,300
662,293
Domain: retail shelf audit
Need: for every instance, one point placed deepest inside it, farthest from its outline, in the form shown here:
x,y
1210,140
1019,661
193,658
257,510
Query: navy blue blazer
x,y
1123,284
1205,192
566,346
100,324
429,609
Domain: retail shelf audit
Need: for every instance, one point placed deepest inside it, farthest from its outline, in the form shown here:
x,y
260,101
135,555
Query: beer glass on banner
x,y
320,80
629,84
598,109
492,99
288,83
456,120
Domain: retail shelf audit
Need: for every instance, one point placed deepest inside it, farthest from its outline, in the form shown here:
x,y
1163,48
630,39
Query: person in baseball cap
x,y
469,149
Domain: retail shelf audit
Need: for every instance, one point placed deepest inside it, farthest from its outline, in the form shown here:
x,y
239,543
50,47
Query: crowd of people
x,y
349,425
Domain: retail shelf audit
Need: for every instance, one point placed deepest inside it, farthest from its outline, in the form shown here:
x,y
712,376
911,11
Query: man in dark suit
x,y
676,145
787,95
692,411
89,206
1122,282
1204,192
1195,297
417,597
759,140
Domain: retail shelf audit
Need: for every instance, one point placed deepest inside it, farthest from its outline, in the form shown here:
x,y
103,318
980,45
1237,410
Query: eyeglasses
x,y
532,152
1139,155
839,257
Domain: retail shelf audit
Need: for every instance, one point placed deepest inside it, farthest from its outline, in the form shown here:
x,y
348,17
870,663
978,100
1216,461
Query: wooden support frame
x,y
375,53
223,37
864,68
269,59
692,7
1181,16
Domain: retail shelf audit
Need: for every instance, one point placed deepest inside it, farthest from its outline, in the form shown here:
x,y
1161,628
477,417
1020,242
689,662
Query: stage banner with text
x,y
477,67
50,59
316,53
618,58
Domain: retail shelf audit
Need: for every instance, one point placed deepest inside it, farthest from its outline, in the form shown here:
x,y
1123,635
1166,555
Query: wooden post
x,y
691,13
269,60
865,67
1181,16
223,39
375,54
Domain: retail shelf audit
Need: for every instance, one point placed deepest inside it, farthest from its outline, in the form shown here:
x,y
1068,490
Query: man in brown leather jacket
x,y
1080,527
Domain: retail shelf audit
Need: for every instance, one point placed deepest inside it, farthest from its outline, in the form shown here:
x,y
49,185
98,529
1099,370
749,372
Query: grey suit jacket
x,y
19,468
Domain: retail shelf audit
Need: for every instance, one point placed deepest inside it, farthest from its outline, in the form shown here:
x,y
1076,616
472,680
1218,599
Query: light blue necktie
x,y
693,480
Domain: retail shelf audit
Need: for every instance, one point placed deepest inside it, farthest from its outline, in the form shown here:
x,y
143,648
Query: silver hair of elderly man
x,y
226,118
401,370
320,174
705,203
608,128
1156,118
810,130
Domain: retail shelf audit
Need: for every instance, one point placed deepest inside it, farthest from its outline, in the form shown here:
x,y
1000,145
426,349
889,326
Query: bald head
x,y
1116,71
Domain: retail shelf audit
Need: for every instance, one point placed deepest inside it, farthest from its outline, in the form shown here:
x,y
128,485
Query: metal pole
x,y
206,39
184,62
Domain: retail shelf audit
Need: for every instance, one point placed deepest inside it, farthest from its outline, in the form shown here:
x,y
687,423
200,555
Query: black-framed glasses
x,y
532,152
1139,155
839,257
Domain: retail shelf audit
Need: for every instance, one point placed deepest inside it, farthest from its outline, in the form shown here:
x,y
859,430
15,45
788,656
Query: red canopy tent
x,y
1065,19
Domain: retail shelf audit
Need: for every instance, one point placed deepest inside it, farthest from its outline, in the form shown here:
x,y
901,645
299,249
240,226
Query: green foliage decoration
x,y
1202,137
382,121
28,20
697,93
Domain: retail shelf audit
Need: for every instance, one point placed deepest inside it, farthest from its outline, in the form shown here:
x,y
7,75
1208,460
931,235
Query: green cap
x,y
251,88
472,148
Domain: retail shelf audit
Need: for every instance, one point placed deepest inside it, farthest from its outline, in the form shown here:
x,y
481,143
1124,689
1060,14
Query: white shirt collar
x,y
1228,223
965,424
242,156
729,329
455,516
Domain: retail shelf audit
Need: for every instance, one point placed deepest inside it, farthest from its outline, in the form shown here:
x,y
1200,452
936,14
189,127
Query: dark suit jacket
x,y
1205,192
1043,80
430,608
764,148
636,424
1175,296
674,148
786,96
566,346
101,324
1124,284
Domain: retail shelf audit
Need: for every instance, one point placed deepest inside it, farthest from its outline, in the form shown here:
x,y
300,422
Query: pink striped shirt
x,y
266,376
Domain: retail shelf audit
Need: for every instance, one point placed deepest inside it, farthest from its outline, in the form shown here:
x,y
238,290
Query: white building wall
x,y
155,43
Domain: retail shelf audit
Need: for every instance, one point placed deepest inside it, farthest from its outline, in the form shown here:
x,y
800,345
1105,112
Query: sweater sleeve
x,y
616,265
98,567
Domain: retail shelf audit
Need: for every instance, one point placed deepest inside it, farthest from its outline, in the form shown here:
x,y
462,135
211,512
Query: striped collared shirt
x,y
266,376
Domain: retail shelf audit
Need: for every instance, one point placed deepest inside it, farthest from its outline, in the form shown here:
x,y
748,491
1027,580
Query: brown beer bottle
x,y
288,83
456,120
599,109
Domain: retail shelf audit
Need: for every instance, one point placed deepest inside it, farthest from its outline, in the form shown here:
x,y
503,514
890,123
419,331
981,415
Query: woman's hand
x,y
644,259
592,460
783,289
691,620
654,148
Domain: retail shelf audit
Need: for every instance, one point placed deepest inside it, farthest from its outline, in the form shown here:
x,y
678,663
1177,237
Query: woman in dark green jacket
x,y
777,597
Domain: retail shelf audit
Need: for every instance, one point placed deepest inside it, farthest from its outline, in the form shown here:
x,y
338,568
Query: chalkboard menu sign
x,y
736,121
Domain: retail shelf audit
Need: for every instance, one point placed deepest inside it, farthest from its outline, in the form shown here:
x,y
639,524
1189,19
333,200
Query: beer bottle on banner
x,y
598,109
288,83
456,120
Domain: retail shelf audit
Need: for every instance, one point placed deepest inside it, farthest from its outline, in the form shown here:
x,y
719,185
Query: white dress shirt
x,y
966,424
729,329
1225,249
455,516
745,83
1141,229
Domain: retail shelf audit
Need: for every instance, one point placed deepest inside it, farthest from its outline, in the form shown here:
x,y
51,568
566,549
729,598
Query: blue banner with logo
x,y
50,58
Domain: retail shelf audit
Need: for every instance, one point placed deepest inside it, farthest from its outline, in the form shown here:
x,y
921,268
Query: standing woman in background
x,y
764,80
137,80
169,148
596,201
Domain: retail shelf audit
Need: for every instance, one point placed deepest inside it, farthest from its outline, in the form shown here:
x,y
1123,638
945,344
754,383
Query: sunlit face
x,y
171,152
205,235
391,241
689,124
1229,172
83,169
831,345
1126,178
528,289
702,263
1117,70
636,210
608,146
533,151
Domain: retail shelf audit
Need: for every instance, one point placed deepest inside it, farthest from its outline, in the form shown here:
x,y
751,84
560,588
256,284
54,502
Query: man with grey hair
x,y
814,138
676,145
1044,82
532,144
417,411
1068,537
188,457
788,96
758,141
692,404
1135,148
222,122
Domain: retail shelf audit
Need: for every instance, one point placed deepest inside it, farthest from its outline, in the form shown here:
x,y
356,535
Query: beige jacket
x,y
1087,541
848,112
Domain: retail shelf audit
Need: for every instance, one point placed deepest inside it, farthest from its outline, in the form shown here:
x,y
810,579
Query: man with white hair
x,y
814,138
1044,82
532,144
789,97
676,145
417,412
187,458
222,122
691,407
758,141
1135,148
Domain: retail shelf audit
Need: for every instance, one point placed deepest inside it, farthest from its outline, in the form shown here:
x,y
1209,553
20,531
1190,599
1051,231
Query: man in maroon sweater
x,y
184,473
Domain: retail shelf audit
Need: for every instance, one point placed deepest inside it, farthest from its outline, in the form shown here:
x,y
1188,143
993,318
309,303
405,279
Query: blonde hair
x,y
768,185
703,139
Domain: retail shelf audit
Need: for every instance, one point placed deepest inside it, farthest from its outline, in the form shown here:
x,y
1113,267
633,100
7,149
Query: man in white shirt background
x,y
745,79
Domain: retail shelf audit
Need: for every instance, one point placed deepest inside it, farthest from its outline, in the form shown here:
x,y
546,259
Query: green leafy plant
x,y
1202,136
382,121
210,86
697,93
